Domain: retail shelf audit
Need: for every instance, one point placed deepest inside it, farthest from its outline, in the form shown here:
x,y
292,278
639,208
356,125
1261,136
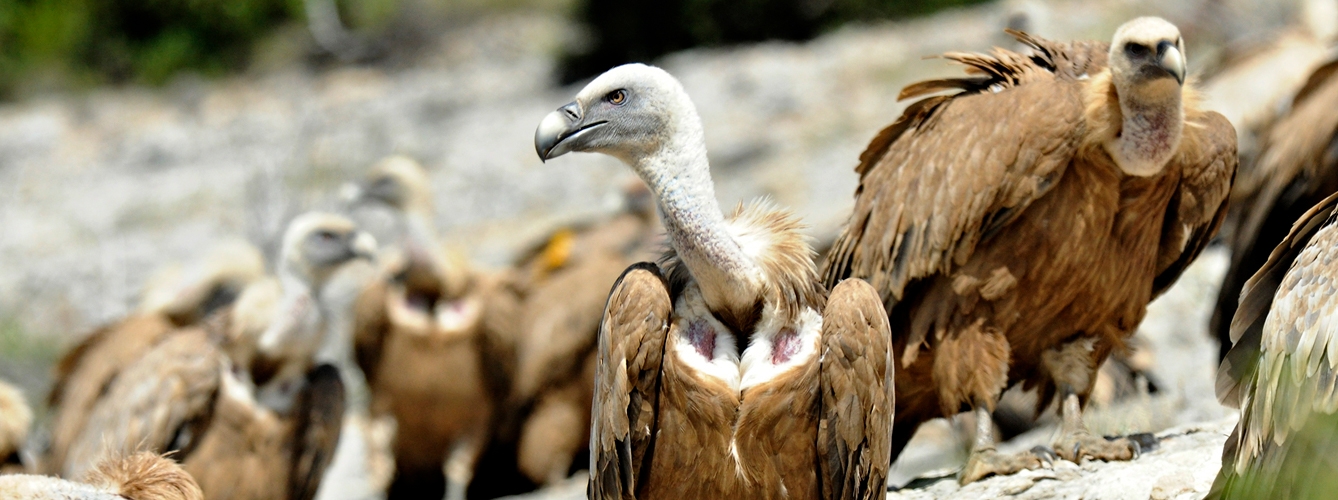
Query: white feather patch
x,y
759,364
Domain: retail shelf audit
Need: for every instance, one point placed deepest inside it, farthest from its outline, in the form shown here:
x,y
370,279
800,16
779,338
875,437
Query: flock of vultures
x,y
1010,228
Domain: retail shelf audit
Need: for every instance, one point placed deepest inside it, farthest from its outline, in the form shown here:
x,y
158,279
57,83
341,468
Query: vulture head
x,y
317,243
315,246
1147,68
396,181
631,112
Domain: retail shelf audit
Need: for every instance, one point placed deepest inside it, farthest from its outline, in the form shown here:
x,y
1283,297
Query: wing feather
x,y
627,377
1196,211
955,169
854,438
320,419
158,404
1280,371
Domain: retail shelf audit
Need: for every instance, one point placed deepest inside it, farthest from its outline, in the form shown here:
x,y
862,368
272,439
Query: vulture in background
x,y
1296,168
1018,227
1257,79
422,339
236,399
141,476
176,296
15,421
1282,371
558,291
725,371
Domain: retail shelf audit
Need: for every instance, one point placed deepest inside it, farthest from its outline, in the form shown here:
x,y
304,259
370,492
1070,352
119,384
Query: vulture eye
x,y
617,97
327,236
1136,49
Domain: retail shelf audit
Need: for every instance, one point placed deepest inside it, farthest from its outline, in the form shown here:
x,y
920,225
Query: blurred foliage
x,y
641,31
58,41
62,43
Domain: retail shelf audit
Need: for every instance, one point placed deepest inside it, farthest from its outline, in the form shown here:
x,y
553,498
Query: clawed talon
x,y
989,462
1076,446
1046,455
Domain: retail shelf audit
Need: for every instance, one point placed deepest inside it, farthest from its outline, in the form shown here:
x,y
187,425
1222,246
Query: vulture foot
x,y
1074,447
989,462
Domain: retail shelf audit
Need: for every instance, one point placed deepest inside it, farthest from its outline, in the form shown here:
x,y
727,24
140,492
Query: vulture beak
x,y
363,246
1171,60
557,131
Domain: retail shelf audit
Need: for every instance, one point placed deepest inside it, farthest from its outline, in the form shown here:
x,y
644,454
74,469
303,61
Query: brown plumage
x,y
239,405
15,421
1295,169
725,371
423,340
177,296
141,476
557,292
1281,371
1017,229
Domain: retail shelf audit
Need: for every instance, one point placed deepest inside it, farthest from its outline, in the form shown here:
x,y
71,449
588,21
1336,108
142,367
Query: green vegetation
x,y
73,43
641,31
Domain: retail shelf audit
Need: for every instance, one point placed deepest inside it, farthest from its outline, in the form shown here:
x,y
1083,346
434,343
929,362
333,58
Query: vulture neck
x,y
680,176
1152,119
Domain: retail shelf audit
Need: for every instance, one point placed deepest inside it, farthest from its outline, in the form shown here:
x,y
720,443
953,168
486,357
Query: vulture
x,y
236,399
141,476
1017,228
16,418
423,314
726,370
1281,371
1296,168
176,296
558,292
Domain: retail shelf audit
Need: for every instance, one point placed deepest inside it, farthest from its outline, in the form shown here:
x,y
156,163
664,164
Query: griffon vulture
x,y
1018,228
726,371
15,421
142,476
425,313
194,394
176,296
1281,371
1296,168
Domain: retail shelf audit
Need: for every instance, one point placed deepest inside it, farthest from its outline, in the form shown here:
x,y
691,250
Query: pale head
x,y
317,243
396,181
1148,51
629,112
1147,69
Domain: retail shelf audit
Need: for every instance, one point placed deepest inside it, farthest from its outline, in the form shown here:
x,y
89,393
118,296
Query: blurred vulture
x,y
1282,371
1296,168
236,398
422,340
176,296
1256,79
1018,228
726,371
558,292
142,476
15,421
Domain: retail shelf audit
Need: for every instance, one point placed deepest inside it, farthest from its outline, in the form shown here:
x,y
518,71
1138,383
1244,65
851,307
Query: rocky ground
x,y
99,189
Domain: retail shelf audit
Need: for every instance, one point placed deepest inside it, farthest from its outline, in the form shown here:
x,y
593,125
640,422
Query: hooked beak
x,y
556,132
1171,60
364,246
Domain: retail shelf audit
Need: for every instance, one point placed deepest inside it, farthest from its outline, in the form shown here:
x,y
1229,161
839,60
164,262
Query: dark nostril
x,y
572,111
